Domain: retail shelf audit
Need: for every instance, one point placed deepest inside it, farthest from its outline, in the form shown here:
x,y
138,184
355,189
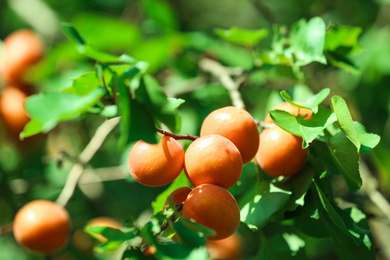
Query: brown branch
x,y
224,75
177,137
172,218
6,229
85,156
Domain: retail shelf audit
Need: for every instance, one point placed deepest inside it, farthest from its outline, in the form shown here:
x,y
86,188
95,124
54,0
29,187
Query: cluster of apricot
x,y
20,51
229,138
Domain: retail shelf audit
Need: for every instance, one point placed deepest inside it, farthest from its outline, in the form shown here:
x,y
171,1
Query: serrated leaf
x,y
307,129
48,109
350,236
347,160
268,200
307,41
344,119
312,103
241,36
367,140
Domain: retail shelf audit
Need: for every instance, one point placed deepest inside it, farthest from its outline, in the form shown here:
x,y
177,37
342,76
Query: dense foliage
x,y
106,82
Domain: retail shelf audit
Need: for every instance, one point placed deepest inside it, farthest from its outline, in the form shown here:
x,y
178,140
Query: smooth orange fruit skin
x,y
156,164
280,152
21,50
293,110
238,126
214,207
178,196
12,108
213,159
42,226
229,248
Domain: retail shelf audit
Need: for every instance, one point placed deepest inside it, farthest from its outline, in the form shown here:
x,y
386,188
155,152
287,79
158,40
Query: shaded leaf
x,y
367,140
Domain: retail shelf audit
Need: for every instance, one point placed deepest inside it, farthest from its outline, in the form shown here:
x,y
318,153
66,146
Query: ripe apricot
x,y
214,207
42,226
280,152
237,125
293,110
213,159
12,109
178,196
229,248
156,164
21,49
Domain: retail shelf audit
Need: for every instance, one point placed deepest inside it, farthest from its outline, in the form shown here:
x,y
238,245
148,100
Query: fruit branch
x,y
224,75
177,137
85,156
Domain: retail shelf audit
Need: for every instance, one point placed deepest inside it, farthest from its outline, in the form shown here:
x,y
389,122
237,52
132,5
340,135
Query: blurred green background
x,y
172,35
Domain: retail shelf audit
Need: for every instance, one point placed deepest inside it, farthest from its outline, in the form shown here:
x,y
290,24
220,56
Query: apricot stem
x,y
177,137
172,218
224,75
263,125
85,156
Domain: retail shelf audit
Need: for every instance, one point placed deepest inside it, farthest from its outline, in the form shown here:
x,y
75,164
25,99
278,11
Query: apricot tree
x,y
229,164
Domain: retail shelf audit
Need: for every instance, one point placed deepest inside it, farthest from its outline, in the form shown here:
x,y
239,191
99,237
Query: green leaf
x,y
180,181
267,200
151,95
338,36
307,41
317,99
367,140
191,233
348,229
344,119
161,13
84,84
346,159
84,48
48,109
307,129
241,36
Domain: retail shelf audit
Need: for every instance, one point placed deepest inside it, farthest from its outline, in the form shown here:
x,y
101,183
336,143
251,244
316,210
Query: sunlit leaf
x,y
241,36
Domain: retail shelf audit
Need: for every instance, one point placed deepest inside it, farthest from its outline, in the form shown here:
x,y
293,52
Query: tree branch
x,y
224,75
85,156
177,137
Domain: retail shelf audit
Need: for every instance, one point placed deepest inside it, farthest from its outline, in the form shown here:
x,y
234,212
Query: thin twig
x,y
85,156
177,137
6,229
224,75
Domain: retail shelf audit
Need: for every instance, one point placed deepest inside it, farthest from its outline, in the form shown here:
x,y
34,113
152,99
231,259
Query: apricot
x,y
21,50
238,126
178,196
280,152
293,110
156,164
213,159
229,248
42,226
214,207
12,109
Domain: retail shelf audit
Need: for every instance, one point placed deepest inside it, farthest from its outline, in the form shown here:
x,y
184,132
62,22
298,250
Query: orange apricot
x,y
156,164
12,108
21,50
42,226
280,152
293,110
213,159
237,125
178,196
229,248
214,207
